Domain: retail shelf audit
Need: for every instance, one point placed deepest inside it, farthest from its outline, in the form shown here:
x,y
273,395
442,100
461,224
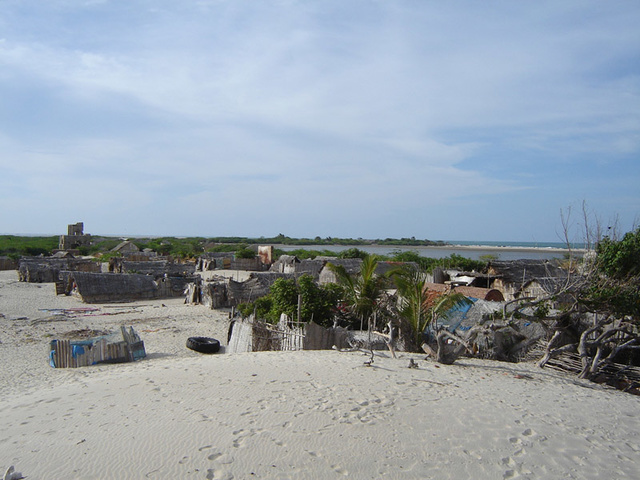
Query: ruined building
x,y
75,237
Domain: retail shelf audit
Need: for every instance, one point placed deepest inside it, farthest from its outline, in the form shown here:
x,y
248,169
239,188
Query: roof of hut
x,y
62,254
489,294
520,272
127,245
158,267
113,286
284,260
351,265
310,266
257,285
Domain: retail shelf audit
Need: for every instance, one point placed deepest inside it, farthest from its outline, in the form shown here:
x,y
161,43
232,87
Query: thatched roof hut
x,y
307,266
7,263
511,277
125,247
115,287
489,294
158,268
47,269
256,286
351,265
285,264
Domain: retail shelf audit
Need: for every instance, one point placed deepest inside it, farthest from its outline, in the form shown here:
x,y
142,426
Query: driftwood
x,y
389,339
449,347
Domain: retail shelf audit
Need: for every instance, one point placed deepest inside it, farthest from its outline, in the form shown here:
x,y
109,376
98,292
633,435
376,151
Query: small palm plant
x,y
363,290
413,306
418,306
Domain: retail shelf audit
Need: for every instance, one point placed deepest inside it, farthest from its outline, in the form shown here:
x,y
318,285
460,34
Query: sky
x,y
458,120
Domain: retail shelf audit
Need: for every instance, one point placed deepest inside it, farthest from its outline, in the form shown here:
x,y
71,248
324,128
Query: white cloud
x,y
338,102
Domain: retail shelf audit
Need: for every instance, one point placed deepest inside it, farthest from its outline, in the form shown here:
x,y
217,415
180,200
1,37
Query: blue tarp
x,y
453,318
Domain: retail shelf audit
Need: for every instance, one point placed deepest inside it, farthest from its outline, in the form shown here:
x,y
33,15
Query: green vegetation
x,y
281,239
429,264
362,292
616,284
192,247
418,307
17,246
318,303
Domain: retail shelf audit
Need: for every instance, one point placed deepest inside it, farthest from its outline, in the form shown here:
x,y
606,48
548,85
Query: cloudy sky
x,y
458,120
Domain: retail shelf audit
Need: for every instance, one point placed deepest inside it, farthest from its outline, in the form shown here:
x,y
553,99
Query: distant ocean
x,y
516,244
473,250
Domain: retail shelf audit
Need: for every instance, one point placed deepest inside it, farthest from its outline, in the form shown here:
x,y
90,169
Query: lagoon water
x,y
499,251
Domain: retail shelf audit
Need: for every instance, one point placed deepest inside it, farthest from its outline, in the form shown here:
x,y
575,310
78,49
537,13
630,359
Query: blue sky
x,y
442,120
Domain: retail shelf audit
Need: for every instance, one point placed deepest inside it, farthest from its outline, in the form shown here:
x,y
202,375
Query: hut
x,y
247,264
252,335
285,264
224,292
488,294
155,268
257,285
47,269
126,247
307,266
7,263
115,287
351,265
519,278
214,261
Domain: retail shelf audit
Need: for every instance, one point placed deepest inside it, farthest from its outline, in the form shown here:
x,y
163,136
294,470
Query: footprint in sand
x,y
219,475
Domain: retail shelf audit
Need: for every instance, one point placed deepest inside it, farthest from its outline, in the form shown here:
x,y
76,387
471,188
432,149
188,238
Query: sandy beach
x,y
286,415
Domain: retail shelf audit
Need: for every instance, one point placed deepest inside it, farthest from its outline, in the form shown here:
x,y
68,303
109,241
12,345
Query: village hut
x,y
311,267
252,335
7,263
351,265
224,292
285,264
159,268
126,247
47,269
119,287
307,266
489,294
214,261
257,285
214,294
248,264
63,254
520,278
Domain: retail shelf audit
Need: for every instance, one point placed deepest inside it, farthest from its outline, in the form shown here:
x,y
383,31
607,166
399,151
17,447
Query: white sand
x,y
181,414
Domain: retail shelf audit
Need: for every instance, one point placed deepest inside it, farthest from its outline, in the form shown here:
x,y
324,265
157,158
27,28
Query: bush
x,y
318,303
244,252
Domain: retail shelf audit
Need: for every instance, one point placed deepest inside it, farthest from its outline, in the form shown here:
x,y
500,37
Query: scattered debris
x,y
120,347
11,474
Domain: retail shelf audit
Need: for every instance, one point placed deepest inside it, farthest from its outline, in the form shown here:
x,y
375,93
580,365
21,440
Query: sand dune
x,y
179,414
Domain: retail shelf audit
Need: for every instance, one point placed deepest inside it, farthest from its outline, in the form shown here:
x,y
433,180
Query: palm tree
x,y
418,306
363,290
413,304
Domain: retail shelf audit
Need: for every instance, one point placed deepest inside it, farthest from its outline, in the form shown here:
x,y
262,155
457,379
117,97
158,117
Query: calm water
x,y
502,251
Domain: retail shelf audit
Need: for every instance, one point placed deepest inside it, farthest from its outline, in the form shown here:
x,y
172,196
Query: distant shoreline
x,y
449,246
514,248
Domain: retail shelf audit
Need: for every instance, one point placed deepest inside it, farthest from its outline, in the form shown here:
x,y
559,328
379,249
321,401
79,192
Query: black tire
x,y
203,344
